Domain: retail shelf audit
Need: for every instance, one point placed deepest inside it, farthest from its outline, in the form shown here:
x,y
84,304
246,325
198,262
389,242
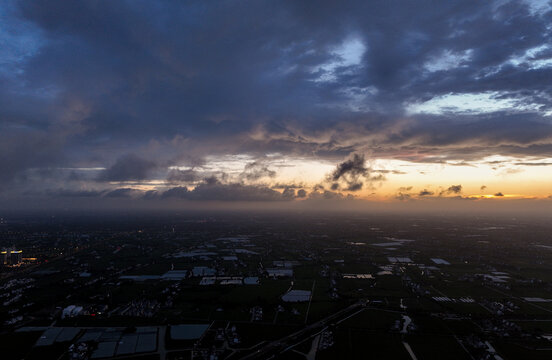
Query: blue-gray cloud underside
x,y
135,87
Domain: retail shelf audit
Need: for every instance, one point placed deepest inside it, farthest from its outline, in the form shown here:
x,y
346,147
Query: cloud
x,y
256,170
128,167
425,192
121,193
354,167
533,164
328,195
23,149
403,196
351,173
498,194
179,192
186,176
453,189
510,171
288,193
483,187
234,192
212,189
83,85
74,193
286,185
354,187
394,172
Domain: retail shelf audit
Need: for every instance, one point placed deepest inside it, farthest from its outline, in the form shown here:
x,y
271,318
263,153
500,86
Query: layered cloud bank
x,y
160,102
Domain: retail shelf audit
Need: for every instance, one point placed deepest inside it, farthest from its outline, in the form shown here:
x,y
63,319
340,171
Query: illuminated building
x,y
11,257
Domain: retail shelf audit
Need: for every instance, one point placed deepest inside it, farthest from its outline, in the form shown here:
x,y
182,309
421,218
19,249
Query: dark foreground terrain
x,y
259,286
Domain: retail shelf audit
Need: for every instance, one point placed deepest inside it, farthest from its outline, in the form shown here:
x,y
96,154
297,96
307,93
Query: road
x,y
276,347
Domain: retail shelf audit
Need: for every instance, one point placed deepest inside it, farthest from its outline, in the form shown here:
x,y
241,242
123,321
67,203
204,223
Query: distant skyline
x,y
154,102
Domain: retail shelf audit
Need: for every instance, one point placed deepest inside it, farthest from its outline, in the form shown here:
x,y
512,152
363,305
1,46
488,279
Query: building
x,y
279,272
251,280
71,311
11,256
297,296
175,275
203,271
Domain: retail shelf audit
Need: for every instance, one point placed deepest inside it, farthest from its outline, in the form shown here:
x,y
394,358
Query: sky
x,y
275,102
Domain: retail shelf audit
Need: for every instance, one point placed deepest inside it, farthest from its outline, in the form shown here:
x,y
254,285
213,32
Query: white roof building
x,y
203,271
71,310
175,275
251,280
297,296
281,272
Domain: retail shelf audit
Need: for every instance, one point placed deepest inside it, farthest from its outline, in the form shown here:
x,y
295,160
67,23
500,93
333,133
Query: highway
x,y
271,349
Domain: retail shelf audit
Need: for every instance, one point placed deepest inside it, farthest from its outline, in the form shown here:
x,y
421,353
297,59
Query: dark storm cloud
x,y
351,172
22,149
128,167
187,176
354,167
179,192
209,190
212,188
228,192
121,193
74,193
256,170
288,193
328,195
84,83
